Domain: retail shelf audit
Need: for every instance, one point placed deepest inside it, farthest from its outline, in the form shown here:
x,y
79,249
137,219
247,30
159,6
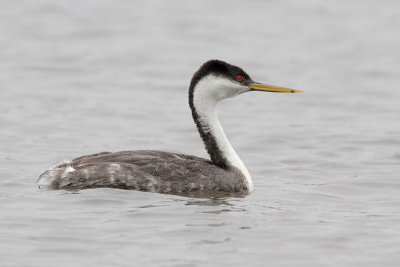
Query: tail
x,y
51,178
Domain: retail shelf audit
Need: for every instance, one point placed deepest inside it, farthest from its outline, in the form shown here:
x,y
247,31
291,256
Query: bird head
x,y
216,80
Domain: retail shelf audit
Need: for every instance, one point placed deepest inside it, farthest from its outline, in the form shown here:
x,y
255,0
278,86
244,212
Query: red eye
x,y
239,78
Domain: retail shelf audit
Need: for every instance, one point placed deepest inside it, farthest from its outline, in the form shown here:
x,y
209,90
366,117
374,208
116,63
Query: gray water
x,y
79,77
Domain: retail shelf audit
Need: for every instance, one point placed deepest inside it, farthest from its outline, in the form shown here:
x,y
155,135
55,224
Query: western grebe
x,y
174,173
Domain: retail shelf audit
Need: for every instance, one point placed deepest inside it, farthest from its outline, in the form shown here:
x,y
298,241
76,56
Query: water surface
x,y
79,77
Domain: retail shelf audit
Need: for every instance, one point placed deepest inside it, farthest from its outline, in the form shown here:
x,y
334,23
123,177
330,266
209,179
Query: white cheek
x,y
217,88
228,88
242,89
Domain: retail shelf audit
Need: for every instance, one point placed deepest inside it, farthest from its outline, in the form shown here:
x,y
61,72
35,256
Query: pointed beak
x,y
271,88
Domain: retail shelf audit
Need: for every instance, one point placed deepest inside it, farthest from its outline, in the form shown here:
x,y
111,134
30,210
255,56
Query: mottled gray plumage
x,y
145,170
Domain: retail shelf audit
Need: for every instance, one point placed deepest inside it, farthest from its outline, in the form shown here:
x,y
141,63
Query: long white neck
x,y
217,144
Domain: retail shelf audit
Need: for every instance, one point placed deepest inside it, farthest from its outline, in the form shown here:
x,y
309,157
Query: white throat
x,y
209,91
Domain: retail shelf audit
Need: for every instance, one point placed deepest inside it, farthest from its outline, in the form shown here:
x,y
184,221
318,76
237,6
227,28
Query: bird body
x,y
145,170
174,173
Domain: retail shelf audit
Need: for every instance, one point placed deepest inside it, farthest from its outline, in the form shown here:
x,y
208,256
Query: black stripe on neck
x,y
218,68
215,67
209,140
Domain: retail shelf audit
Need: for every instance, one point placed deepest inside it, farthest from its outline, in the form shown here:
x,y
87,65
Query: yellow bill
x,y
271,88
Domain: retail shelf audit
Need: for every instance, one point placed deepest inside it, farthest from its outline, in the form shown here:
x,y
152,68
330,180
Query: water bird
x,y
174,173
